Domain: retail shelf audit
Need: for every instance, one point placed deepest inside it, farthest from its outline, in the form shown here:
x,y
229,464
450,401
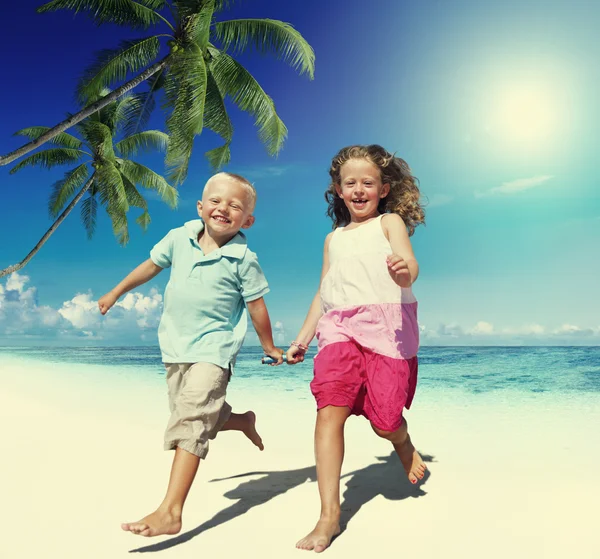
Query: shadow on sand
x,y
384,477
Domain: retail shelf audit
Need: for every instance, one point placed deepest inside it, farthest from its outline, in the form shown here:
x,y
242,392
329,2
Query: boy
x,y
213,276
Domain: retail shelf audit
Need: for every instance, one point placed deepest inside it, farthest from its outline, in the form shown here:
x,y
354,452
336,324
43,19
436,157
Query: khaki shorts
x,y
197,403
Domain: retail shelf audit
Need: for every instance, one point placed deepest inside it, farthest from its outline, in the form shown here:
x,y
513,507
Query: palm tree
x,y
104,172
196,74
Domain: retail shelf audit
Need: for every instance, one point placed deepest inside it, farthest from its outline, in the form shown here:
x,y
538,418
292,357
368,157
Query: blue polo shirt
x,y
204,316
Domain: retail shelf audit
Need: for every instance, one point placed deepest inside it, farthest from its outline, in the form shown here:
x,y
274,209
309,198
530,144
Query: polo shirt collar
x,y
235,248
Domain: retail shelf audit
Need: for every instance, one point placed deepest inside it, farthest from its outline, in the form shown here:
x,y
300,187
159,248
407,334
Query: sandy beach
x,y
508,477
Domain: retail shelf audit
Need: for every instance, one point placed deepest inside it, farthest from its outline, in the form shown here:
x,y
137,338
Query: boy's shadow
x,y
385,477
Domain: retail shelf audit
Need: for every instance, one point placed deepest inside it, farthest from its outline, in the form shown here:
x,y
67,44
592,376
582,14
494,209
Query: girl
x,y
364,317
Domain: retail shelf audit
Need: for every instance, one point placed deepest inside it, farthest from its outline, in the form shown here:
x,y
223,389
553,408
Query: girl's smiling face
x,y
361,188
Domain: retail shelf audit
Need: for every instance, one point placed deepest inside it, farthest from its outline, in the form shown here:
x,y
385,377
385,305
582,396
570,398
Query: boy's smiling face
x,y
226,207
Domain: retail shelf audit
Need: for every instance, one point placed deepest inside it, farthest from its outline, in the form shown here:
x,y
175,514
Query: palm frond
x,y
142,104
221,5
63,190
147,178
215,112
143,221
219,157
217,120
134,198
63,139
185,93
121,112
89,213
147,140
187,8
113,65
201,22
120,226
49,158
235,81
138,201
112,189
100,139
268,36
138,14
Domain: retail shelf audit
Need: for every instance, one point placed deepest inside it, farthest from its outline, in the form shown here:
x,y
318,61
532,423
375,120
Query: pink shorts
x,y
370,384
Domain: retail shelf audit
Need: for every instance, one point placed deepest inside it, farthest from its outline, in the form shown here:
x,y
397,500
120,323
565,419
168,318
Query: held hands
x,y
295,353
398,269
106,302
276,354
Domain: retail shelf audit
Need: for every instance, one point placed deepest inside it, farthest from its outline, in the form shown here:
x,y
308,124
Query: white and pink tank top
x,y
359,299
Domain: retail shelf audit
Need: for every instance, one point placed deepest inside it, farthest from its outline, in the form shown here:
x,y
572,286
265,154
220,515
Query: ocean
x,y
475,370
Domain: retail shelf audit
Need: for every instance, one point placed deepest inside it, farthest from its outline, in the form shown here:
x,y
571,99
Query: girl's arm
x,y
143,273
307,332
402,264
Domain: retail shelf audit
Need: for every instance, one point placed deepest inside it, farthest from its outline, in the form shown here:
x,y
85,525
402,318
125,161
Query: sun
x,y
526,114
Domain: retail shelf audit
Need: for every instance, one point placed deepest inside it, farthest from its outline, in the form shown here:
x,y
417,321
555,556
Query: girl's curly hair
x,y
403,198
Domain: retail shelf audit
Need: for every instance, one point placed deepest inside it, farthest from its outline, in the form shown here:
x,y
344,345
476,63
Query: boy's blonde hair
x,y
248,186
403,198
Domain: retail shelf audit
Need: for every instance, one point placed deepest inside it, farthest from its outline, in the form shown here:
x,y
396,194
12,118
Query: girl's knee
x,y
388,435
397,437
333,414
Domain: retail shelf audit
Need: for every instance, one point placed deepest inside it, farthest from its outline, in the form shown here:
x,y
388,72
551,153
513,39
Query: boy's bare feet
x,y
249,429
320,538
155,524
411,460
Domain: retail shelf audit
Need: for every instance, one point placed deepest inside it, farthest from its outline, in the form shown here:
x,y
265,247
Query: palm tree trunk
x,y
84,113
54,226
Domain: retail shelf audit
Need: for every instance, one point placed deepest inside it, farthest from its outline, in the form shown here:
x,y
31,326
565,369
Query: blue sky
x,y
493,105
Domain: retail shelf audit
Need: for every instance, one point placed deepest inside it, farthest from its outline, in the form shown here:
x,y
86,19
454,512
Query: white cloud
x,y
573,331
79,317
437,200
485,333
525,329
135,319
279,333
515,186
81,311
262,172
19,310
16,282
483,328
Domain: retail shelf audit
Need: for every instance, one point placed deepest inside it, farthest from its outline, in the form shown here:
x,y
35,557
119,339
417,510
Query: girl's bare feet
x,y
155,524
411,460
320,538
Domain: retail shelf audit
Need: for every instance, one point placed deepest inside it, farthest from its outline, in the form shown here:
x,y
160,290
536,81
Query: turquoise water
x,y
473,369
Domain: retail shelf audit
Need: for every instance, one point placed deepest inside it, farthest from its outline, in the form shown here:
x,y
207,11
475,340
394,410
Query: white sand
x,y
512,477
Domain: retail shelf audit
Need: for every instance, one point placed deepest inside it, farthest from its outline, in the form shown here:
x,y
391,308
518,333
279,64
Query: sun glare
x,y
526,114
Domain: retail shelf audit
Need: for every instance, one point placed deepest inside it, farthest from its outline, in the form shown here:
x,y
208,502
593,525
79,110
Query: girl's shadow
x,y
385,477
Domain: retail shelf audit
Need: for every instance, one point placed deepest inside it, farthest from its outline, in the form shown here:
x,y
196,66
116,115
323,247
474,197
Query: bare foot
x,y
411,460
155,524
250,429
320,538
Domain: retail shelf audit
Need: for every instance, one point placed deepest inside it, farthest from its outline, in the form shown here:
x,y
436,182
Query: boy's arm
x,y
262,324
402,264
309,328
143,273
